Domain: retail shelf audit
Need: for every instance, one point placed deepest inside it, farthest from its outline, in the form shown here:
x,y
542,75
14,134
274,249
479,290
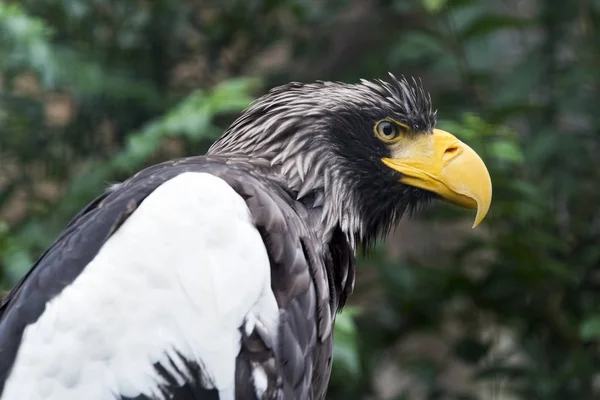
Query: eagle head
x,y
361,155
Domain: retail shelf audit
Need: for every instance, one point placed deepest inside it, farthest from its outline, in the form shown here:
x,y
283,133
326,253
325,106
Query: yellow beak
x,y
442,164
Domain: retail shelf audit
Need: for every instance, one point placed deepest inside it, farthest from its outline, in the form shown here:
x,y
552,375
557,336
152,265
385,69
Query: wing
x,y
191,280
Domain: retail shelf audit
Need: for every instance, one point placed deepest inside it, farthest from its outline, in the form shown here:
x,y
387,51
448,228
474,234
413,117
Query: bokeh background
x,y
93,90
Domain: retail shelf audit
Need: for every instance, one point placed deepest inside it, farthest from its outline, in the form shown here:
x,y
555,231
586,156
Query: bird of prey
x,y
219,276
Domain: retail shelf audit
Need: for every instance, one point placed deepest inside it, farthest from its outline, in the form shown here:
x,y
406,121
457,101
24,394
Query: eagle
x,y
220,276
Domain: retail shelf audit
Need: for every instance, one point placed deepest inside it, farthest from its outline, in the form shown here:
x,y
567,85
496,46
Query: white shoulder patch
x,y
179,276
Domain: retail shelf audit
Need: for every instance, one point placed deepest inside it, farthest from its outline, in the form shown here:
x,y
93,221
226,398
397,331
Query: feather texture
x,y
72,324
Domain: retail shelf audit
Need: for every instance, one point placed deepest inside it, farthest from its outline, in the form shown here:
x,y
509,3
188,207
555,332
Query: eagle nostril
x,y
450,153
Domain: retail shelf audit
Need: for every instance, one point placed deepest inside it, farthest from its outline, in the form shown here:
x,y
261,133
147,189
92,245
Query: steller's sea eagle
x,y
219,276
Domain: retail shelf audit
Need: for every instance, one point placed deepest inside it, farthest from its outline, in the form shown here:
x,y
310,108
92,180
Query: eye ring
x,y
387,131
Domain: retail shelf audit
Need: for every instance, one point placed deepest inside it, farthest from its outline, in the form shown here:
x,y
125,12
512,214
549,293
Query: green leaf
x,y
491,23
345,349
434,6
233,94
506,150
16,256
27,43
416,46
345,320
590,328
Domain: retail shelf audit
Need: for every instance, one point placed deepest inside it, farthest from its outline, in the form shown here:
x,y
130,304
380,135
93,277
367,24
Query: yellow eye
x,y
388,131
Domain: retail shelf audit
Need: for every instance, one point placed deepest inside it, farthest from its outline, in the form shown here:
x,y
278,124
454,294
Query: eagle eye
x,y
388,131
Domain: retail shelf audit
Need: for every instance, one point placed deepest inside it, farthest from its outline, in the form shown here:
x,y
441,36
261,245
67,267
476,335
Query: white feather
x,y
180,275
260,380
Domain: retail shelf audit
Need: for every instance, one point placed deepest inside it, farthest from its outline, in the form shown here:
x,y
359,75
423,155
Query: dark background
x,y
93,90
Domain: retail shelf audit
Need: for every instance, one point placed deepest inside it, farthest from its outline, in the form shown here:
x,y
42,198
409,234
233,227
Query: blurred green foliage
x,y
91,91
